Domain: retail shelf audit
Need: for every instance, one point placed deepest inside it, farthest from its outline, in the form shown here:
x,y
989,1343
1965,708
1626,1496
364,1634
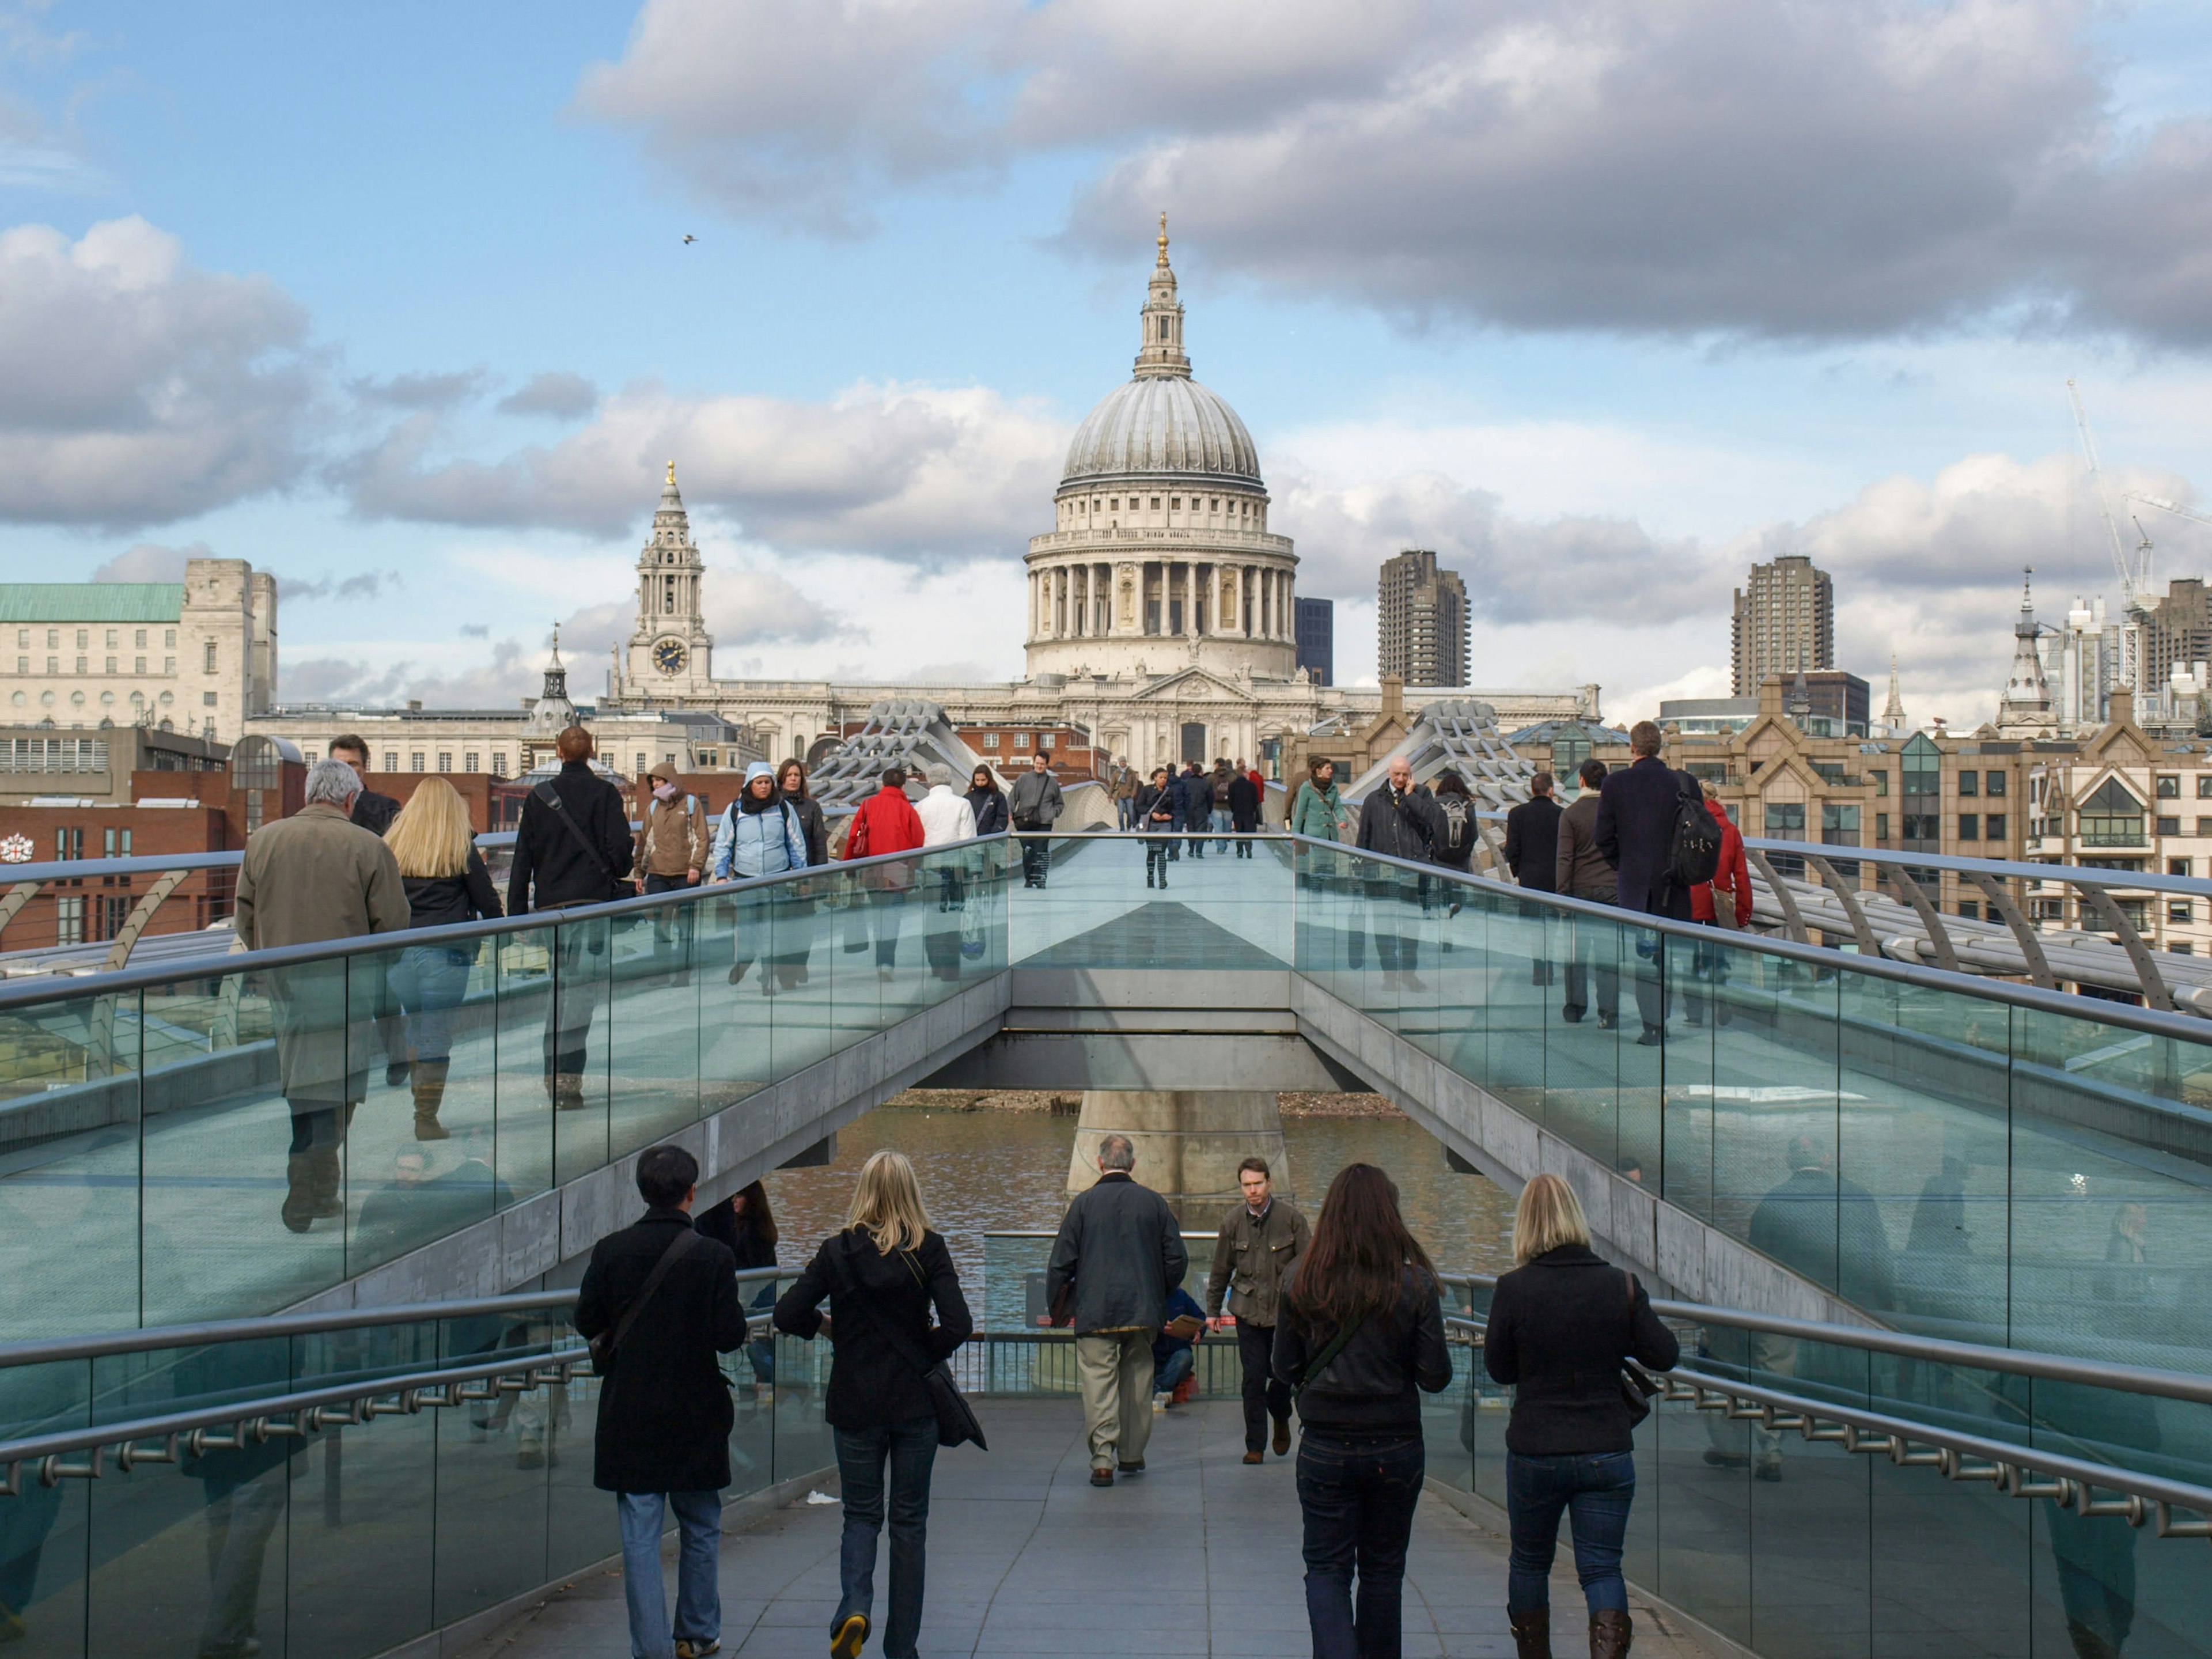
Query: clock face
x,y
668,656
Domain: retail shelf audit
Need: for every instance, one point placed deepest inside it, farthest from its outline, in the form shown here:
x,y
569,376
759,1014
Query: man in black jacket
x,y
1635,833
572,849
1120,1252
1243,803
372,811
1197,807
1401,820
1532,853
665,1412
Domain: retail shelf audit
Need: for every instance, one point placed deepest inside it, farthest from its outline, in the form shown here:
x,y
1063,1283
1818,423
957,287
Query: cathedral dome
x,y
1161,426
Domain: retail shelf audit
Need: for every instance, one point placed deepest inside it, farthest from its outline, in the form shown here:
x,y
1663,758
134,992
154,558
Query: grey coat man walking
x,y
1119,1255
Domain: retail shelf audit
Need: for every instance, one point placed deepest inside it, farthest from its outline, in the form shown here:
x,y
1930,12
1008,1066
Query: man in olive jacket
x,y
1259,1239
1119,1254
314,876
665,1410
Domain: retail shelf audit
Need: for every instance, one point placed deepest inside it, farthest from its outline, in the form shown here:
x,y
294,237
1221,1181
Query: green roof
x,y
91,602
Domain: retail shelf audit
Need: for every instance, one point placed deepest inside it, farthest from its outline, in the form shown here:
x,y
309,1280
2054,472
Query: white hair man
x,y
314,876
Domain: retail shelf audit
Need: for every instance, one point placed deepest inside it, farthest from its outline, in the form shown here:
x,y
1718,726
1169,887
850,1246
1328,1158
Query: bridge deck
x,y
1197,1556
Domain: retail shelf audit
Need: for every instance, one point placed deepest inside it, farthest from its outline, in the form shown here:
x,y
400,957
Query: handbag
x,y
608,1343
1636,1384
956,1419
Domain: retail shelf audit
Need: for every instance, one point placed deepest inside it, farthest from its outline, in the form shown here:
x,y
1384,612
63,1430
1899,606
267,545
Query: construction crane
x,y
2134,587
2174,507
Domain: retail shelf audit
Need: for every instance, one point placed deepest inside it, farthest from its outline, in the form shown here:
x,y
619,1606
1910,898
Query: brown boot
x,y
1532,1634
1610,1634
324,1176
299,1210
430,1092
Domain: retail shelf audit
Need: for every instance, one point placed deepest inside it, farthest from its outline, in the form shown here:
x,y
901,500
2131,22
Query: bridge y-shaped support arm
x,y
1847,896
2023,932
1909,888
1793,919
2155,994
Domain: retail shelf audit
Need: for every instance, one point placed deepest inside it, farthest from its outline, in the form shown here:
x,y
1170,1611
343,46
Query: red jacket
x,y
885,823
1733,876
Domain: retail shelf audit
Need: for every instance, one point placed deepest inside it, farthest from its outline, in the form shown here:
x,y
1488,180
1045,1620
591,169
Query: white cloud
x,y
1792,169
921,471
150,562
555,392
135,387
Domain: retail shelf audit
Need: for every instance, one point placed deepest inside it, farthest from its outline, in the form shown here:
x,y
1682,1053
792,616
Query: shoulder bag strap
x,y
677,1247
1322,1361
551,797
899,1339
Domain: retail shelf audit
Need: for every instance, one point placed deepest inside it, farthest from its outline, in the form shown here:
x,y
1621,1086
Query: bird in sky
x,y
688,238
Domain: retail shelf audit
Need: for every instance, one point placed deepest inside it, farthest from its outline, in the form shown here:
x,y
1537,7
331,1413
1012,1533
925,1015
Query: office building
x,y
1785,623
1316,626
1423,620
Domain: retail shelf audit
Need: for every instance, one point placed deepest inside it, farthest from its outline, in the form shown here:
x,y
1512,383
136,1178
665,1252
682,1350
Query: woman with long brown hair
x,y
745,1224
1360,1331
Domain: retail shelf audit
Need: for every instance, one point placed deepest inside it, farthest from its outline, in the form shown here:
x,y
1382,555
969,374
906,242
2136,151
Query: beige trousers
x,y
1115,1368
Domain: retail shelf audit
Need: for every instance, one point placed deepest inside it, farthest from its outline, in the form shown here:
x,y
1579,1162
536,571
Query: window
x,y
2169,786
115,843
1969,910
1923,832
498,765
2137,912
2204,785
1995,785
1970,783
137,665
139,639
469,758
2178,910
1839,824
68,843
1993,827
415,760
1045,741
444,760
83,665
1174,504
1785,820
2169,826
83,638
208,699
168,639
1021,740
53,638
990,740
1881,826
1156,503
2111,817
168,665
69,922
2181,947
391,760
1880,785
1970,826
208,654
2177,866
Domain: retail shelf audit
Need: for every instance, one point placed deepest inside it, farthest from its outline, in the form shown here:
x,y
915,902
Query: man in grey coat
x,y
1119,1255
1034,804
313,877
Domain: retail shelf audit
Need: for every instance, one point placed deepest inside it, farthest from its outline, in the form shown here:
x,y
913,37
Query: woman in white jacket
x,y
759,834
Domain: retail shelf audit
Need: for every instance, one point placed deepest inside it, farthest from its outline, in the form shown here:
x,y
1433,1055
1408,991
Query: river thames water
x,y
993,1171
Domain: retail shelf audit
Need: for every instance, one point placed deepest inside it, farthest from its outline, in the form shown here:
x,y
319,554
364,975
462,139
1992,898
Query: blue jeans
x,y
1359,1498
1222,823
429,980
1169,1374
910,1449
698,1590
1595,1489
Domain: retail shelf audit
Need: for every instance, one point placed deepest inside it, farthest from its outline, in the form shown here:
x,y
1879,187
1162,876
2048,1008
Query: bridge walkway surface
x,y
1199,1555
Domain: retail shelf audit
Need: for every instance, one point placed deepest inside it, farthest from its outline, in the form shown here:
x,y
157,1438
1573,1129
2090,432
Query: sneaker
x,y
850,1637
1160,1402
691,1648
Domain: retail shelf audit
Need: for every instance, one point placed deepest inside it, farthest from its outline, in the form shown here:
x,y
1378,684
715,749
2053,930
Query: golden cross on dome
x,y
1164,236
671,472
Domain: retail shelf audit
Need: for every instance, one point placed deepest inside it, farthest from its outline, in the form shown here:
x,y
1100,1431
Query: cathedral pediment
x,y
1192,685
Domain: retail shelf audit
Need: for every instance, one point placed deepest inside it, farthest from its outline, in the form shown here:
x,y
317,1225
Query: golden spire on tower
x,y
671,472
1164,236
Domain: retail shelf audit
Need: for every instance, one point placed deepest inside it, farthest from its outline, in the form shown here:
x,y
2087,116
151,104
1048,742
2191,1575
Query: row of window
x,y
1020,740
417,761
84,665
53,755
1840,824
113,638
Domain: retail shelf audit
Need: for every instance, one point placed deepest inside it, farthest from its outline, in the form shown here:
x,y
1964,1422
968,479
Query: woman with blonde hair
x,y
446,883
1562,1324
882,1275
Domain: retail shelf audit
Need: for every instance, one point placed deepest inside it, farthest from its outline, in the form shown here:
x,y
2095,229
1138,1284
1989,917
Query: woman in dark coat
x,y
790,782
1242,798
989,802
794,908
744,1224
1154,810
882,1276
1561,1324
1359,1332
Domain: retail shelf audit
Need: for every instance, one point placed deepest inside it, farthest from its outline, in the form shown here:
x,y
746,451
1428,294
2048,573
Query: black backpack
x,y
1694,845
1459,822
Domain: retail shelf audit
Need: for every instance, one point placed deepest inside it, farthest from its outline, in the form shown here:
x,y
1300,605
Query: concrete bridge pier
x,y
1188,1143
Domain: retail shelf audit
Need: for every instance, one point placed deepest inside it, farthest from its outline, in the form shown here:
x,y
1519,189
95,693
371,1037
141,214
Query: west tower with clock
x,y
671,653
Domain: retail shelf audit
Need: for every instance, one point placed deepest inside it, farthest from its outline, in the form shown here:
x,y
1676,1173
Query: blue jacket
x,y
764,843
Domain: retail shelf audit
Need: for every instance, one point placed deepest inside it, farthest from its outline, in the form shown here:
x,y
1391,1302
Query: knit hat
x,y
759,769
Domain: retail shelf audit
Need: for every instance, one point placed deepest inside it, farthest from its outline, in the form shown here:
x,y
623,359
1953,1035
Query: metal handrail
x,y
1874,1339
2009,1465
2154,1021
23,991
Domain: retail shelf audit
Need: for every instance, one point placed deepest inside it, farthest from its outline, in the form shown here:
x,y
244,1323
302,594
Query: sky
x,y
1603,300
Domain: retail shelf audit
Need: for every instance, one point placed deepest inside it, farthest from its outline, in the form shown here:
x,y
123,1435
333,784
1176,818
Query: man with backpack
x,y
658,1302
1653,829
571,847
